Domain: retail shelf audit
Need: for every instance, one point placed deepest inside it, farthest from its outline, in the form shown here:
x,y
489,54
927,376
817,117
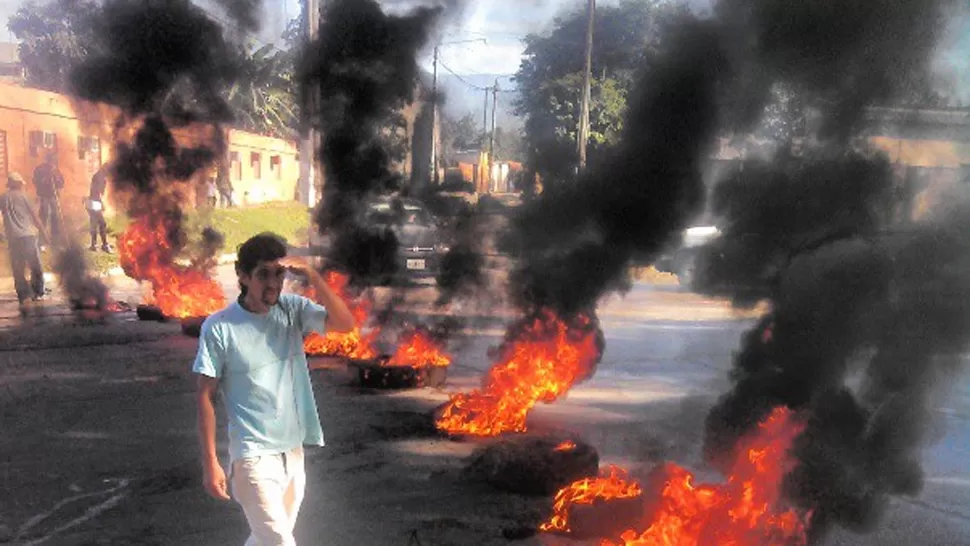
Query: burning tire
x,y
192,326
533,465
604,518
377,374
150,313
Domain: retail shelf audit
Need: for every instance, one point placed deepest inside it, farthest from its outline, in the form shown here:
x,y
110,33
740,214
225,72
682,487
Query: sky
x,y
493,20
502,28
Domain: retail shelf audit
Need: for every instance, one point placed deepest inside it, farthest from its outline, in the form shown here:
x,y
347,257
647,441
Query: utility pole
x,y
487,170
485,117
491,138
308,144
434,118
583,133
434,105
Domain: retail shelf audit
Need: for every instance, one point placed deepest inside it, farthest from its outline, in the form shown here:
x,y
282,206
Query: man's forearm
x,y
339,317
207,432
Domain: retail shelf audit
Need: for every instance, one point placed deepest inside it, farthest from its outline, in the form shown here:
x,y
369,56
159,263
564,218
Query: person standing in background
x,y
23,228
48,183
225,188
95,207
211,190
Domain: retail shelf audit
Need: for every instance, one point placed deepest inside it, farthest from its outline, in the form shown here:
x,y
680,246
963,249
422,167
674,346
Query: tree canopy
x,y
550,78
54,37
626,37
465,133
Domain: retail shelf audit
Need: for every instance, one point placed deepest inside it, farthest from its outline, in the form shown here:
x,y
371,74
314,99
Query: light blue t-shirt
x,y
263,374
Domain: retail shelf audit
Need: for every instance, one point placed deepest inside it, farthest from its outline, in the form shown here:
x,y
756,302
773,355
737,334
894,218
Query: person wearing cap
x,y
48,182
23,228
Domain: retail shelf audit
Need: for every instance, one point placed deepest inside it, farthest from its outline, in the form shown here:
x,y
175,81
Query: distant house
x,y
12,71
34,122
474,167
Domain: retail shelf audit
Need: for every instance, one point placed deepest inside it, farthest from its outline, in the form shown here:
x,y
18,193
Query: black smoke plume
x,y
574,243
207,252
841,56
83,291
165,64
868,317
868,309
361,73
159,57
461,273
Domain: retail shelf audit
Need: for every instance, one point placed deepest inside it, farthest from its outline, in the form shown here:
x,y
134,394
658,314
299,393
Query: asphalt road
x,y
98,445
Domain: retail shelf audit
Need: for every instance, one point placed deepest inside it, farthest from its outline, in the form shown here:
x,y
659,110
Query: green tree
x,y
509,145
263,96
54,37
461,134
549,79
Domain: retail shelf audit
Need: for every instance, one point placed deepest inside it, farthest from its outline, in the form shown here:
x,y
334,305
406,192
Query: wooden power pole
x,y
487,167
434,118
434,105
583,133
309,142
491,138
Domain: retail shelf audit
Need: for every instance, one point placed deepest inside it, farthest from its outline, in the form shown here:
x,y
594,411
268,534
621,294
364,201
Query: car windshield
x,y
409,214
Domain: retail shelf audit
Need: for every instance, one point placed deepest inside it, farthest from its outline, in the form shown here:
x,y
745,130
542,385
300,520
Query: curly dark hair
x,y
264,247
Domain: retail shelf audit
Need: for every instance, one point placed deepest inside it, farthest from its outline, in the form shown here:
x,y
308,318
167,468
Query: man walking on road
x,y
95,208
252,352
22,228
48,182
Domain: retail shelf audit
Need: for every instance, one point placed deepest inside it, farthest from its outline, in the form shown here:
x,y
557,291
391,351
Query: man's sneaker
x,y
106,248
93,248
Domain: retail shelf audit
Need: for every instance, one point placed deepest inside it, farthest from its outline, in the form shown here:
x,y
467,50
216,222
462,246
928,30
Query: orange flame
x,y
350,344
416,348
565,445
588,491
744,511
146,254
540,363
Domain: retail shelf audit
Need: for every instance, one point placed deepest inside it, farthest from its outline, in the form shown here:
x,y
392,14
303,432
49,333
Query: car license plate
x,y
415,264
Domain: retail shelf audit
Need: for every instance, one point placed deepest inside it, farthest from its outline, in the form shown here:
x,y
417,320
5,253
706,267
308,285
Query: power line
x,y
461,79
461,32
472,85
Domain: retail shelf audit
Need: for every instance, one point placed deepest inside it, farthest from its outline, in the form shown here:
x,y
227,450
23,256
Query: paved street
x,y
99,445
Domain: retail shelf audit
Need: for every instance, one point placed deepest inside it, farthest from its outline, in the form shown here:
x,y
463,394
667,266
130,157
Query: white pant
x,y
270,490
